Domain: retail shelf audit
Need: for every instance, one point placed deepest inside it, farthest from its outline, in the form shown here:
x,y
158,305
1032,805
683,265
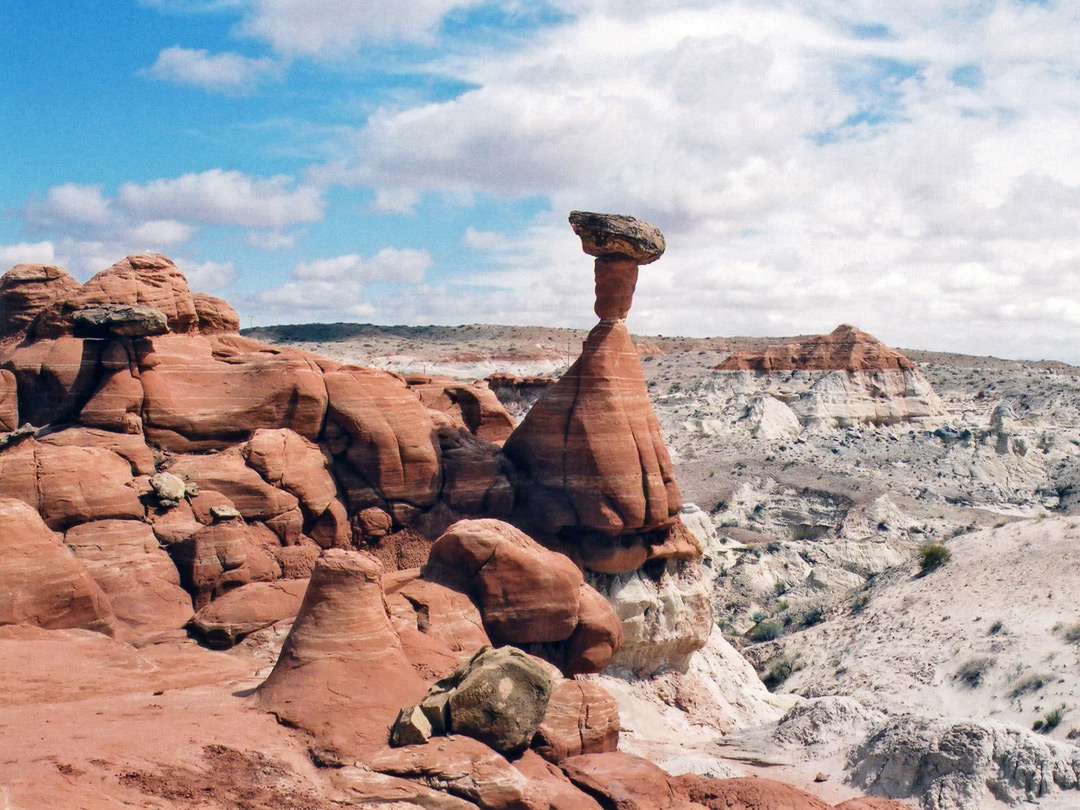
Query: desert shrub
x,y
780,669
1032,683
932,556
763,631
1072,634
996,628
816,615
972,672
859,603
1050,720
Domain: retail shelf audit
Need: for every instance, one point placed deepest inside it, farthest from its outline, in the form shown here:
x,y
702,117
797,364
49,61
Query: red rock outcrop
x,y
526,593
581,719
474,407
41,582
26,290
248,608
215,315
627,782
560,792
9,401
208,393
253,497
141,582
439,628
291,463
342,675
747,794
149,279
844,349
388,450
466,768
591,446
55,377
69,485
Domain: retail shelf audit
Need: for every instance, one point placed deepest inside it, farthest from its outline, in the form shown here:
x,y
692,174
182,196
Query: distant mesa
x,y
841,379
846,348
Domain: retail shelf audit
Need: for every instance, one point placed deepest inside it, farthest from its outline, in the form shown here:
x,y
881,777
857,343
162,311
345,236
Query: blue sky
x,y
909,167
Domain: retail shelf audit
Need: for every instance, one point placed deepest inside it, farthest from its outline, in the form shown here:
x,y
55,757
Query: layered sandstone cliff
x,y
841,379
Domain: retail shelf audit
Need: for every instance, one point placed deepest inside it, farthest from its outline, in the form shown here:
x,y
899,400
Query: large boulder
x,y
205,393
342,674
581,719
41,582
142,584
525,592
69,485
27,289
9,402
120,320
243,610
148,279
387,448
499,697
466,768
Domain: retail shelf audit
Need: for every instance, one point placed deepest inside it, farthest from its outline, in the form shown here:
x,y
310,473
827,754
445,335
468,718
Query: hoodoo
x,y
591,448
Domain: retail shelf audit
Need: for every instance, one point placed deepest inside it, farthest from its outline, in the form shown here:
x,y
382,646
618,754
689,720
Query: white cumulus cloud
x,y
223,197
71,202
26,253
389,264
338,285
207,276
913,168
331,28
215,72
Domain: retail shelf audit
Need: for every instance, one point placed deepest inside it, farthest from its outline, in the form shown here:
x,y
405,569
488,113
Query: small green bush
x,y
763,631
1050,720
1032,683
780,669
973,672
816,615
932,556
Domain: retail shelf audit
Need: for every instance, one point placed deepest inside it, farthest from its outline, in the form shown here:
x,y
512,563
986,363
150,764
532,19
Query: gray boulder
x,y
499,696
951,765
123,320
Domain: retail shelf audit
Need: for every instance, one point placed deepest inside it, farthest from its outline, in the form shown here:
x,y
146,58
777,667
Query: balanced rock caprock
x,y
591,448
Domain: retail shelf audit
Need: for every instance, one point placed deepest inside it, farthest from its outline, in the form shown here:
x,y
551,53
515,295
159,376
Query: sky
x,y
912,168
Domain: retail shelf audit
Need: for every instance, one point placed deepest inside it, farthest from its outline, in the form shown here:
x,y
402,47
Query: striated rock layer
x,y
846,348
842,379
591,447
